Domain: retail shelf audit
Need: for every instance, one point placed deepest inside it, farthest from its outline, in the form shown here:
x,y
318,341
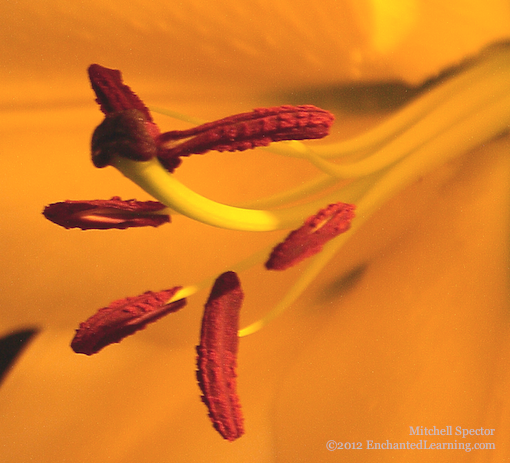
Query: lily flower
x,y
395,154
398,322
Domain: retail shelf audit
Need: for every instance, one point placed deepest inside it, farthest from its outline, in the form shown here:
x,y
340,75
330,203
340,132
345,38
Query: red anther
x,y
122,318
240,132
311,236
217,356
112,94
101,214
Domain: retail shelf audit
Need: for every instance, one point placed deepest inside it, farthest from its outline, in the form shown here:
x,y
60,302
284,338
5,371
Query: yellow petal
x,y
190,47
418,334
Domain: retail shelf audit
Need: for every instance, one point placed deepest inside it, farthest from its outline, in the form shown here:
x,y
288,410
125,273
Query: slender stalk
x,y
156,181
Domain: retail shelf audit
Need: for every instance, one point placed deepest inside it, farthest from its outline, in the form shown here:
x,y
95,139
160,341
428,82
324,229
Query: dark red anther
x,y
112,94
217,356
128,129
101,214
311,236
122,318
240,132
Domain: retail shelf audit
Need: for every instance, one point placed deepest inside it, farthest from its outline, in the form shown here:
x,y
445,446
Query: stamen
x,y
101,214
122,318
217,356
311,236
245,131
